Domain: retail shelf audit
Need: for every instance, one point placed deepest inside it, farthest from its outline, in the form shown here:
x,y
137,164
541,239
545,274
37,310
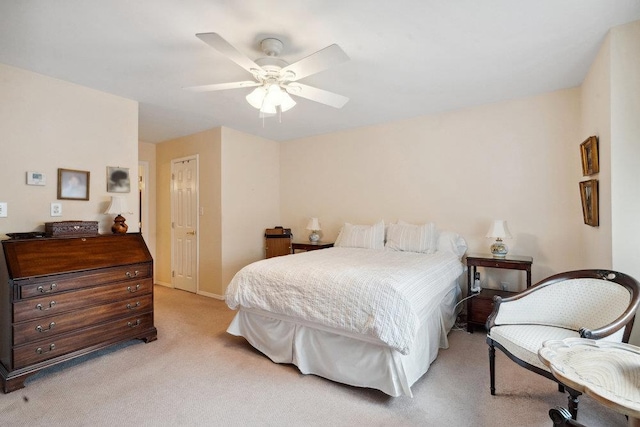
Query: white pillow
x,y
449,241
412,238
361,236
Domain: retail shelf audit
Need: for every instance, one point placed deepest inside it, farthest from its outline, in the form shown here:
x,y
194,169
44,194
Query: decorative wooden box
x,y
71,228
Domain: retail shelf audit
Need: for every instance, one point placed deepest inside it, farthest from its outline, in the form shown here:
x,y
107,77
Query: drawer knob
x,y
131,276
52,288
39,328
39,350
132,289
134,324
41,307
133,306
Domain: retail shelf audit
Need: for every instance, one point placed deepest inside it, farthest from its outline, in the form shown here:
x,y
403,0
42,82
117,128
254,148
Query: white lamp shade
x,y
499,230
287,102
117,206
256,97
313,224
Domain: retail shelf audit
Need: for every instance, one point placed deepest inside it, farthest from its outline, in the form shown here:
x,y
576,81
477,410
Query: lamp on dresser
x,y
118,206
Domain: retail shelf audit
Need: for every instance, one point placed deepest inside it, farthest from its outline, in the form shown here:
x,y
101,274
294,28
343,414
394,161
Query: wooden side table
x,y
310,246
609,372
481,306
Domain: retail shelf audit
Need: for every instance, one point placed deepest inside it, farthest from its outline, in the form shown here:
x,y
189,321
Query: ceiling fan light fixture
x,y
256,97
287,102
268,107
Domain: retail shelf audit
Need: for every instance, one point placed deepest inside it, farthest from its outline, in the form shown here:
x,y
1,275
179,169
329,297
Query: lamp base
x,y
499,249
119,227
314,237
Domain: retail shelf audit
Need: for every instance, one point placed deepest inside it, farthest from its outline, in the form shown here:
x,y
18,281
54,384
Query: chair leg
x,y
560,388
573,399
492,368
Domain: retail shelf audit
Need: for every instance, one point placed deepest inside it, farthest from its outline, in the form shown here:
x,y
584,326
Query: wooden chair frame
x,y
625,320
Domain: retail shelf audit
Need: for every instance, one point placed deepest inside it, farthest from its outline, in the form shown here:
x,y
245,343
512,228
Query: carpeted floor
x,y
195,374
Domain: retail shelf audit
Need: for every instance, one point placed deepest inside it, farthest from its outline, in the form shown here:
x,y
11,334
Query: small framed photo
x,y
118,180
589,196
589,152
73,184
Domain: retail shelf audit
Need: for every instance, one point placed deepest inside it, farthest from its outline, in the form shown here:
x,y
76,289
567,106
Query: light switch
x,y
3,209
56,209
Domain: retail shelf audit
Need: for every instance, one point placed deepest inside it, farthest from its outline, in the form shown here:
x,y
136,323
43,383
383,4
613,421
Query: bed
x,y
364,313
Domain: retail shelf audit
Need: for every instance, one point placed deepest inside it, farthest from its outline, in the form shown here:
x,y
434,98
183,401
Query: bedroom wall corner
x,y
250,192
147,153
207,145
625,153
595,242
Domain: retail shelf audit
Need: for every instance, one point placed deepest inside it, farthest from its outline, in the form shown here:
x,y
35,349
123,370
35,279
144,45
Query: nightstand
x,y
481,306
309,246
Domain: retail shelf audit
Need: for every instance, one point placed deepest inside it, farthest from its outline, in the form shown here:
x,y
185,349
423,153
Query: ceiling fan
x,y
274,78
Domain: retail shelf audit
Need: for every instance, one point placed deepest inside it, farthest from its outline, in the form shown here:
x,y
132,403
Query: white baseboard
x,y
210,295
168,285
203,293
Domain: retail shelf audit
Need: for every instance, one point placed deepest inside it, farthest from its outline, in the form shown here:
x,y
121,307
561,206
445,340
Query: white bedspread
x,y
376,293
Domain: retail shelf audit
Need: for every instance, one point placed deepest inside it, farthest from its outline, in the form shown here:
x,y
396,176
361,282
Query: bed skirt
x,y
348,359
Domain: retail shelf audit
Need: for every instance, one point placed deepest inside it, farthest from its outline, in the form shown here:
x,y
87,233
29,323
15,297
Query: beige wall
x,y
514,160
595,242
250,199
625,152
207,145
48,124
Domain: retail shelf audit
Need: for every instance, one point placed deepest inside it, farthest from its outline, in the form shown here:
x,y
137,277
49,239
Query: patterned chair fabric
x,y
596,304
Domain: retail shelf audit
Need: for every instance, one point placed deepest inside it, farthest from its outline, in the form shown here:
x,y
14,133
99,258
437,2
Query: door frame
x,y
195,157
144,201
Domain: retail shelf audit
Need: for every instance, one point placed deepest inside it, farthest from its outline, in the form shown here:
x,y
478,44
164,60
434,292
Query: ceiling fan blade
x,y
222,86
221,45
317,95
316,62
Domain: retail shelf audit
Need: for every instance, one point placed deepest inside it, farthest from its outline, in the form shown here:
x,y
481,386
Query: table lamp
x,y
118,206
314,226
499,231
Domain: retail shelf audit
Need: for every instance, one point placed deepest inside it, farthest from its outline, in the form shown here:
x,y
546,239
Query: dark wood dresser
x,y
61,298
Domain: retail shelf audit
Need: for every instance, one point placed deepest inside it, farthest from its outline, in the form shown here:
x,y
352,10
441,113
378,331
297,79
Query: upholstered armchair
x,y
595,304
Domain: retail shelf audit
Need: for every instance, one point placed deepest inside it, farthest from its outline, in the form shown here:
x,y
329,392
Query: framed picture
x,y
589,152
118,180
589,196
73,184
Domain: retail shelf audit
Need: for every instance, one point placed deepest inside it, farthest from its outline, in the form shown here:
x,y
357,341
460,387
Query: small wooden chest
x,y
71,228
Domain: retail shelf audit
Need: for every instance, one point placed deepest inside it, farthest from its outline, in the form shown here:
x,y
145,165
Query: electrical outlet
x,y
56,209
3,209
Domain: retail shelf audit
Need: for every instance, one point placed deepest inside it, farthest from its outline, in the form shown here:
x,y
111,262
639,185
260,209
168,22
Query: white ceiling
x,y
408,57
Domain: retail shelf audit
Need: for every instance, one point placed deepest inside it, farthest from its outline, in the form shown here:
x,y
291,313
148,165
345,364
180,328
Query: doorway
x,y
184,223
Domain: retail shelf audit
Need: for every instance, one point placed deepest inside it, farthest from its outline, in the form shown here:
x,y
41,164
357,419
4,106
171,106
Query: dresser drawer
x,y
39,351
49,305
50,326
38,286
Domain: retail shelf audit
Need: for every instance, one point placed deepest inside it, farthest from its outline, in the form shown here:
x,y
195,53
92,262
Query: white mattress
x,y
379,296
